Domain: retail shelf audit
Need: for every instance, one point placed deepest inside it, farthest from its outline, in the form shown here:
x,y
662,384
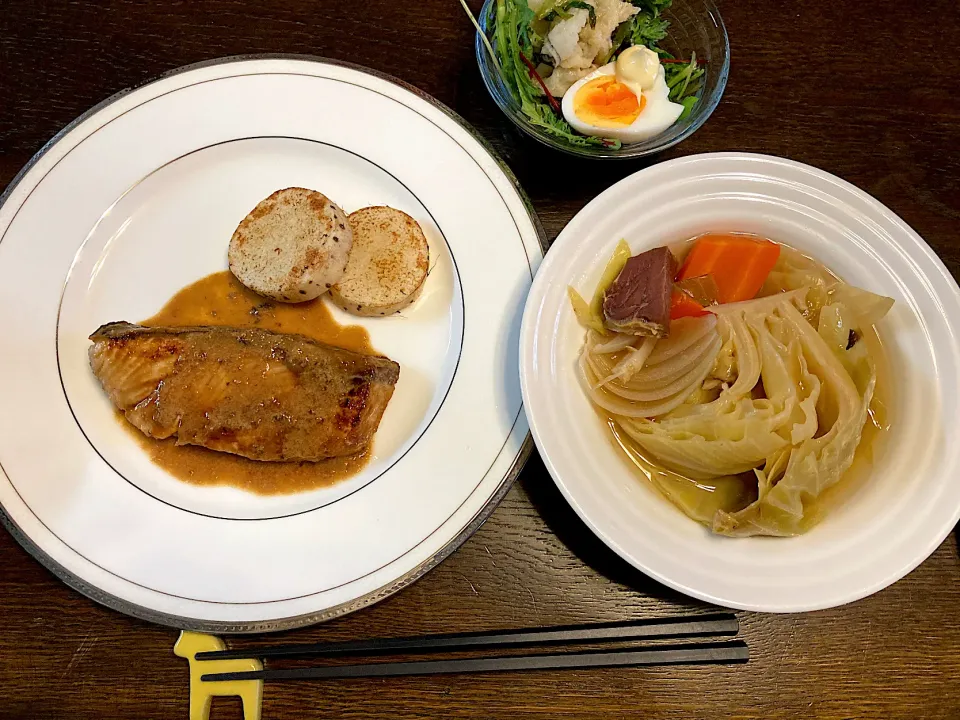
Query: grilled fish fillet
x,y
263,395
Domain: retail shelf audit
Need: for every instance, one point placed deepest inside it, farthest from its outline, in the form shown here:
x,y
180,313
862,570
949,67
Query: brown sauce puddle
x,y
220,299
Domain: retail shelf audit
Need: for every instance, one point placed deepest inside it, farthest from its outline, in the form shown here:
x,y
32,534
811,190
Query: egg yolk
x,y
604,102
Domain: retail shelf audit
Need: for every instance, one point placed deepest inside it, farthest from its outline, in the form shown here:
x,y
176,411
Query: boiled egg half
x,y
628,99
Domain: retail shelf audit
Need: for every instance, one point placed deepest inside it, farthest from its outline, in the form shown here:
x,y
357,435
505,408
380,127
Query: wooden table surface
x,y
868,91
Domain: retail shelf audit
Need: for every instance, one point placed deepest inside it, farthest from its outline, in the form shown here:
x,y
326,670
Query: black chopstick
x,y
693,626
705,654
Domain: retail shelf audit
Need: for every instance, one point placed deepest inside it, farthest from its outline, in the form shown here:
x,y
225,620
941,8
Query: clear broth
x,y
700,499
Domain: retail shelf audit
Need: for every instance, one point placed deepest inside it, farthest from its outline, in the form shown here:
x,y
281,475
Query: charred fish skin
x,y
255,393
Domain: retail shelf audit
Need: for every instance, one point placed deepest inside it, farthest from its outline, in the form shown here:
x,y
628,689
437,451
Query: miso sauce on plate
x,y
220,299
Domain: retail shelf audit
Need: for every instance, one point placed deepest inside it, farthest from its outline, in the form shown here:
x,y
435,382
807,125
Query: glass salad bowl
x,y
695,27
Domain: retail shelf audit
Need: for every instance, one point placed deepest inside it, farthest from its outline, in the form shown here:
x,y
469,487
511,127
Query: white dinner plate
x,y
888,524
137,199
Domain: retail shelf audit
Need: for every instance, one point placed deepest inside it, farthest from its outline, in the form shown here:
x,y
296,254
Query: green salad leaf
x,y
624,30
688,104
513,41
648,28
682,80
654,7
561,8
548,7
592,11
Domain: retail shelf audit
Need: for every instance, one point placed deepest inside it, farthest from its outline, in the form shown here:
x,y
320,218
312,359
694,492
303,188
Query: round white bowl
x,y
886,525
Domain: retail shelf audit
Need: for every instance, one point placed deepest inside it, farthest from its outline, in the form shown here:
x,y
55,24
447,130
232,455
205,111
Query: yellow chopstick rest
x,y
202,693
